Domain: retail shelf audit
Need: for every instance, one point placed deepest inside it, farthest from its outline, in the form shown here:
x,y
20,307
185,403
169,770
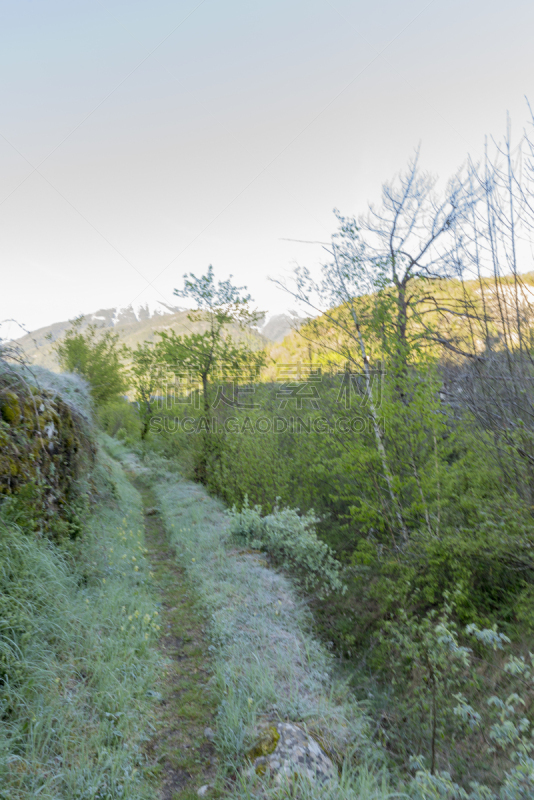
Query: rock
x,y
209,734
290,750
151,511
202,792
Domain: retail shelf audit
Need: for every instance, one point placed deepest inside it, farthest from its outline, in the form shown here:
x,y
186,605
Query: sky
x,y
143,140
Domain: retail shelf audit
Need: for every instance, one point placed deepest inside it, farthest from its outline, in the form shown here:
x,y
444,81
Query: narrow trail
x,y
186,756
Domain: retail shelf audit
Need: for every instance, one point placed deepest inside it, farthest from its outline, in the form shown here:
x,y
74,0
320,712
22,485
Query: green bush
x,y
291,541
120,419
94,354
444,714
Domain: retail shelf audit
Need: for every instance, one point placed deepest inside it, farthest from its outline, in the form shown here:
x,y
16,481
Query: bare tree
x,y
495,248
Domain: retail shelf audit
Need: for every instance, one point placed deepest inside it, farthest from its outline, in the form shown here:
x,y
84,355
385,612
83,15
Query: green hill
x,y
466,314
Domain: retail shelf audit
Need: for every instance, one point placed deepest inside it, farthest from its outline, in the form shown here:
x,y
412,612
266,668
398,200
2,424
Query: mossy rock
x,y
45,447
265,745
10,408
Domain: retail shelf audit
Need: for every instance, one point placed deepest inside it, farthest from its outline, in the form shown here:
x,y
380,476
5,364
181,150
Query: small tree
x,y
94,354
145,378
213,351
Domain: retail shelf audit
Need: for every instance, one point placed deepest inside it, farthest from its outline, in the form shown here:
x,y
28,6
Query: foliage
x,y
196,358
291,540
200,355
145,378
428,667
419,467
93,353
120,419
506,730
471,532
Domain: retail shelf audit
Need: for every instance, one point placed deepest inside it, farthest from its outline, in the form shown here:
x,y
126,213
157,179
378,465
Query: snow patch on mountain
x,y
276,325
124,315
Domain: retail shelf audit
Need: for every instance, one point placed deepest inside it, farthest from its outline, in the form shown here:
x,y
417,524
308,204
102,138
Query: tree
x,y
404,251
213,351
495,386
94,354
145,378
386,271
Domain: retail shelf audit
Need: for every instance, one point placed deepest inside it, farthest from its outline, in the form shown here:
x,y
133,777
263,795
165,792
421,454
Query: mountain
x,y
142,324
276,327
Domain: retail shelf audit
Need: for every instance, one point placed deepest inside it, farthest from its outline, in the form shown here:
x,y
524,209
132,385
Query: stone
x,y
294,751
209,734
202,792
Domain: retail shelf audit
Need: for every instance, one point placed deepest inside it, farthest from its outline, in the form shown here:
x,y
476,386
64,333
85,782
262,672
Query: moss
x,y
10,408
265,745
45,448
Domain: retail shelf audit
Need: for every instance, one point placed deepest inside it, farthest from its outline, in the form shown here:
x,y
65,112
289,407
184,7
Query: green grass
x,y
186,758
119,651
265,661
77,657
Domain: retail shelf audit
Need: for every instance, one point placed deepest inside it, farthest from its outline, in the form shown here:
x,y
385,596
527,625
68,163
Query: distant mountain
x,y
142,324
276,327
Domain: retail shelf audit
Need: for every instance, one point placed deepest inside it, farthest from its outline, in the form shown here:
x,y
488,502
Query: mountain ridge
x,y
135,326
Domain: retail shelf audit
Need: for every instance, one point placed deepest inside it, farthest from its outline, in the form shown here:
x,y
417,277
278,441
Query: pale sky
x,y
142,140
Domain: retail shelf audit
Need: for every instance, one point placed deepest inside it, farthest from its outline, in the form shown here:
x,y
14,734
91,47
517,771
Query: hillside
x,y
319,342
142,325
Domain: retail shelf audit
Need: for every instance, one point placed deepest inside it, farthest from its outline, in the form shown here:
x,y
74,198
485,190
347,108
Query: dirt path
x,y
185,754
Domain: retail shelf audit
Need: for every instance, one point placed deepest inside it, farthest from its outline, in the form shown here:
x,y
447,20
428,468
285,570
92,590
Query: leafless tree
x,y
495,248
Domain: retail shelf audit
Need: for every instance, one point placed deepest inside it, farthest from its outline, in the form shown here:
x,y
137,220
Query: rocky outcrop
x,y
45,447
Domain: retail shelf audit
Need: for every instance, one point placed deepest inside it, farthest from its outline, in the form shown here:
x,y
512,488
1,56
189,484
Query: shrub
x,y
93,354
120,419
291,541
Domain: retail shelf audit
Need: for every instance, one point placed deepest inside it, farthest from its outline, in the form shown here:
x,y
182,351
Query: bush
x,y
291,541
93,354
120,419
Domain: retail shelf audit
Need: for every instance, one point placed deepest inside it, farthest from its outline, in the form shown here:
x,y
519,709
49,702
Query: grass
x,y
265,662
77,657
187,759
117,652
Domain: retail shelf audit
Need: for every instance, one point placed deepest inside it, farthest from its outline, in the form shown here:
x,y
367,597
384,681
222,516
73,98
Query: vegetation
x,y
406,435
387,473
291,541
199,357
145,380
265,660
121,419
94,354
78,619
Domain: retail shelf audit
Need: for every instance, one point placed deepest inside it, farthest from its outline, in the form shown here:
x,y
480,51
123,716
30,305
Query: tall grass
x,y
77,661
